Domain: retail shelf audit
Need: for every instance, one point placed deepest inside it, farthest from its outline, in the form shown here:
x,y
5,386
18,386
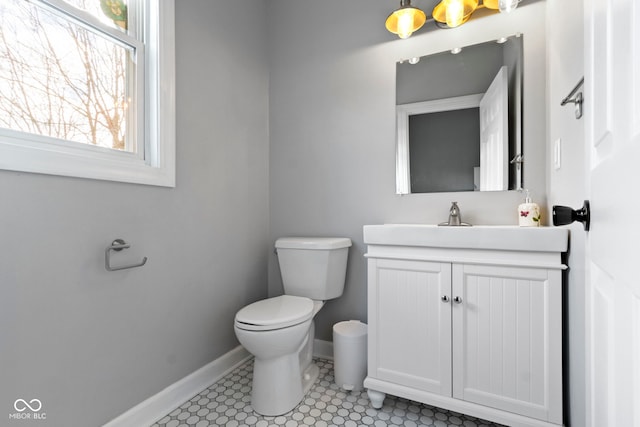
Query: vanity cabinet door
x,y
410,323
507,332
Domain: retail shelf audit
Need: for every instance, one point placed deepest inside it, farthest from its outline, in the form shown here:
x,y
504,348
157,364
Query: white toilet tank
x,y
313,267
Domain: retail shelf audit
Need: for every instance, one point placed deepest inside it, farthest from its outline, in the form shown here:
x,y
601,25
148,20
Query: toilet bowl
x,y
279,331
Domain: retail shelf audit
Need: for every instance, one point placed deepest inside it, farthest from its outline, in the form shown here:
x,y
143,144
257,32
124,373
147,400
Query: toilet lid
x,y
275,313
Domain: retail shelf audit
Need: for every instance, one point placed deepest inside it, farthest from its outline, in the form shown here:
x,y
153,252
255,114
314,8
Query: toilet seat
x,y
275,313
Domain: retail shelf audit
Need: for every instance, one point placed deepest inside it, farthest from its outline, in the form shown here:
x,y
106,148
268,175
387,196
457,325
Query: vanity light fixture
x,y
446,14
453,13
405,20
456,50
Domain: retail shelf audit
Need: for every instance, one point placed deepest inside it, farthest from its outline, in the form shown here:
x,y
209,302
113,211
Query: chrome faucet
x,y
454,217
454,214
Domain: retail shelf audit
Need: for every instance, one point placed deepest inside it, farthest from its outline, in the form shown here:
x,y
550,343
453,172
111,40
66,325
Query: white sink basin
x,y
514,238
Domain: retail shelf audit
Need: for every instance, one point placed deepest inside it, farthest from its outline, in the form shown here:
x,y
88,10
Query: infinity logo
x,y
21,405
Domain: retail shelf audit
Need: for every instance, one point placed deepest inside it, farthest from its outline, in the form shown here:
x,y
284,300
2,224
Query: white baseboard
x,y
159,405
323,349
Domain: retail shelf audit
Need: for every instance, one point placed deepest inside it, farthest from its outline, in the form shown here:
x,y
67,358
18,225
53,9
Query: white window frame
x,y
154,164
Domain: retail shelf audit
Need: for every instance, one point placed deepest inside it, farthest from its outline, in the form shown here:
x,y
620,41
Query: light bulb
x,y
507,6
405,20
455,12
405,23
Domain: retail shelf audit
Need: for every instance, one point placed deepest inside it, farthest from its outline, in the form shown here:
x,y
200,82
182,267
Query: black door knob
x,y
563,215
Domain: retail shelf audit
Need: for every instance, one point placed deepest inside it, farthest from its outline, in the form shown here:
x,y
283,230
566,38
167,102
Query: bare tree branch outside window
x,y
62,80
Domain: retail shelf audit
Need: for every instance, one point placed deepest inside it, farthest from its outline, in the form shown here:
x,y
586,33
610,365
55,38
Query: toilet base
x,y
309,376
279,385
284,389
277,388
280,379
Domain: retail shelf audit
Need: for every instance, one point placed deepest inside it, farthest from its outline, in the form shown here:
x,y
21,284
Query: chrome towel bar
x,y
118,245
576,98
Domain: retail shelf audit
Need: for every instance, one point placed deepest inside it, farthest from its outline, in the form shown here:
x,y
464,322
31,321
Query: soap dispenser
x,y
528,212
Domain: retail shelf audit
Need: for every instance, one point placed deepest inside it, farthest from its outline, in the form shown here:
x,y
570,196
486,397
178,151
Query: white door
x,y
494,134
612,129
411,339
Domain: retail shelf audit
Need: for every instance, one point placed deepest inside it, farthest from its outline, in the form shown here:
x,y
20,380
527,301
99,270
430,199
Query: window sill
x,y
76,160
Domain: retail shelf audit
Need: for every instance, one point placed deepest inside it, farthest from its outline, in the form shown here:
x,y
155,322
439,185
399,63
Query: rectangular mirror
x,y
459,119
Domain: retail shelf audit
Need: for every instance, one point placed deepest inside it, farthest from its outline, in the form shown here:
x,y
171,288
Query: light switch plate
x,y
557,154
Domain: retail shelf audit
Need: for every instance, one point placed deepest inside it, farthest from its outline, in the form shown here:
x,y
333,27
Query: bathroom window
x,y
80,91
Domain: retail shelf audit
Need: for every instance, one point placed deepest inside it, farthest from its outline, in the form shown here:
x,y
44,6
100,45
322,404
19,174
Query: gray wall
x,y
89,343
568,185
332,128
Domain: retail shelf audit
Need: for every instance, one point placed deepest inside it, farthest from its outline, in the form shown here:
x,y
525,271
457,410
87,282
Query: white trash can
x,y
350,354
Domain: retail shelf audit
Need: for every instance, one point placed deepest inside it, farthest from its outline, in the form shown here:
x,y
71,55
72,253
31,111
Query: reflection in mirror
x,y
459,119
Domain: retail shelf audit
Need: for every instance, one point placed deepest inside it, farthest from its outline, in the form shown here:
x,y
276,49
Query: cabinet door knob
x,y
445,298
458,300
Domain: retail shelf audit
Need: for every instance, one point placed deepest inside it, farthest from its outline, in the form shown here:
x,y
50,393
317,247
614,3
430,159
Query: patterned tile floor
x,y
228,403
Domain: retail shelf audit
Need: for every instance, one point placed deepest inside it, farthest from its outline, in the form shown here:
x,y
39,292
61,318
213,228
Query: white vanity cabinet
x,y
409,325
474,327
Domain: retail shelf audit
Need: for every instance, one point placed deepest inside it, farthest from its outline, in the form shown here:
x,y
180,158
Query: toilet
x,y
279,331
